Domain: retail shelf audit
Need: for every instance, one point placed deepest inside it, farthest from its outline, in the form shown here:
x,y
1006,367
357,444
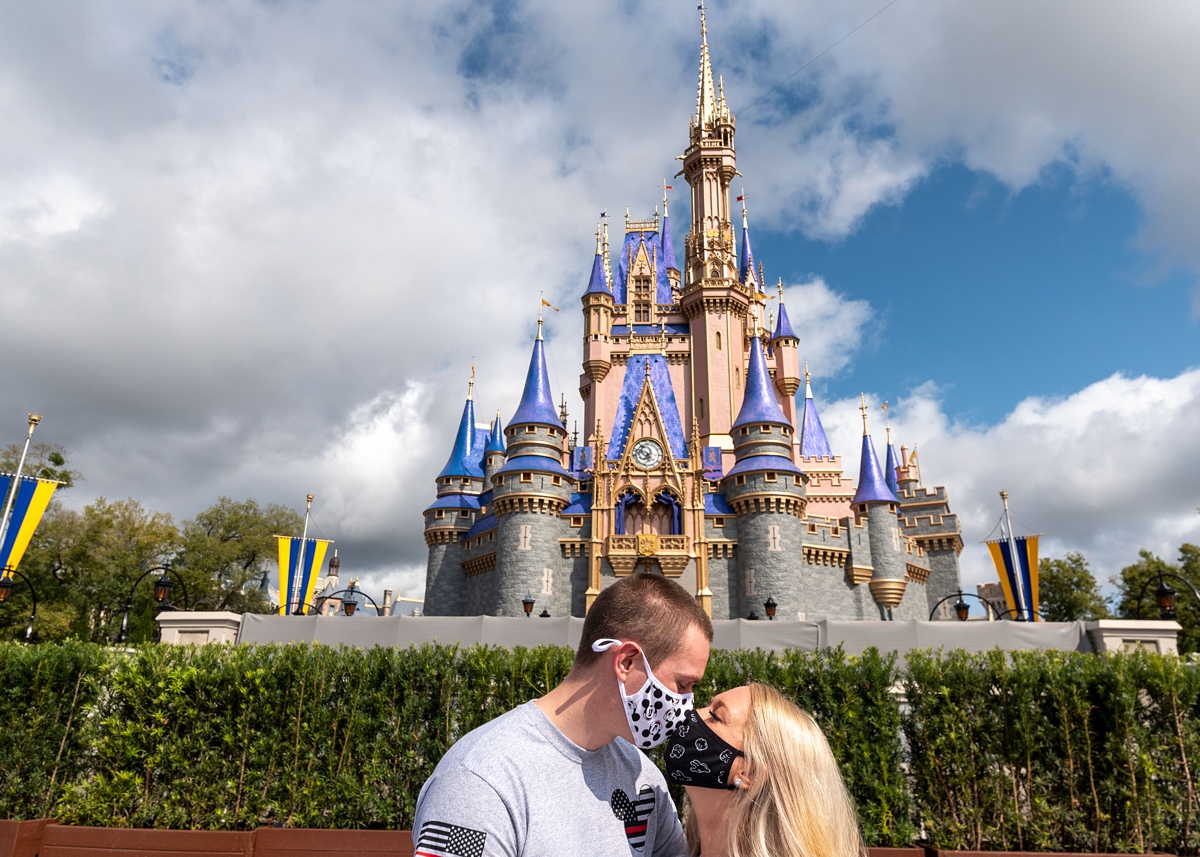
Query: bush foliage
x,y
1045,751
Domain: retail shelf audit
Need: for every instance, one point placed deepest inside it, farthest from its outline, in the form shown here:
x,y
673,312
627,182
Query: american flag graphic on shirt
x,y
438,839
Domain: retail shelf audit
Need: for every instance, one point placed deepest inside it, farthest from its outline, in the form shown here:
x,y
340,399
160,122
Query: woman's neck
x,y
711,810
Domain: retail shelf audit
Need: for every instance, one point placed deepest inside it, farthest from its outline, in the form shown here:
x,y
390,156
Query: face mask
x,y
653,711
697,756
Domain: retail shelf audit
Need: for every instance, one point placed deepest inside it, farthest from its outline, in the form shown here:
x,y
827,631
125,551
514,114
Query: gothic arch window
x,y
718,340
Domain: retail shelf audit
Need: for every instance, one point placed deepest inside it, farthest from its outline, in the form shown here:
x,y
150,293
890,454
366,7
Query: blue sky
x,y
996,295
250,249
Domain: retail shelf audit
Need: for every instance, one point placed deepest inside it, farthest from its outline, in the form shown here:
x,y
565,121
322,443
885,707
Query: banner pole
x,y
34,419
299,575
1022,602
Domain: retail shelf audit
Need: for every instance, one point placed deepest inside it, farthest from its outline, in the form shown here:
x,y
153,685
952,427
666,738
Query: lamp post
x,y
1164,595
770,606
961,609
545,614
527,604
6,588
350,605
162,591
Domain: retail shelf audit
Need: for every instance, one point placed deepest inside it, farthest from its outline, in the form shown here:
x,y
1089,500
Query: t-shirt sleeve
x,y
459,813
669,840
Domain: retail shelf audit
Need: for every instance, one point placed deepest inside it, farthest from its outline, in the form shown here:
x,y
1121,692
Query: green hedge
x,y
1021,751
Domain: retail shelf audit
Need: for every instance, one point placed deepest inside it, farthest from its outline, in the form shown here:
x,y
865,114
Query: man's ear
x,y
625,659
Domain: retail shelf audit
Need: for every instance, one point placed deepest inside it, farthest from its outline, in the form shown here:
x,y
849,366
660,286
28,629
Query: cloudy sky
x,y
249,249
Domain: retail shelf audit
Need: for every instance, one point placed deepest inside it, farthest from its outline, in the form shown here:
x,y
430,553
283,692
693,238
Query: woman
x,y
761,780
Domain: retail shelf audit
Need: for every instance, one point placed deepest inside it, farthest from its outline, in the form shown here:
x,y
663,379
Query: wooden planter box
x,y
300,842
22,838
64,840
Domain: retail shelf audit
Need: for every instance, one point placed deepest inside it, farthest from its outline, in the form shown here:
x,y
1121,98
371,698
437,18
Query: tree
x,y
83,565
44,461
1140,579
228,549
1068,591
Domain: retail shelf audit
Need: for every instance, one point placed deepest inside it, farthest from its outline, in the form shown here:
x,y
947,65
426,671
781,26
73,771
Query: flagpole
x,y
300,559
34,419
1022,603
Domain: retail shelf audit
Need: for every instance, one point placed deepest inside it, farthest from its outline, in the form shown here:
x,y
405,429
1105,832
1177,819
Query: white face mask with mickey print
x,y
653,711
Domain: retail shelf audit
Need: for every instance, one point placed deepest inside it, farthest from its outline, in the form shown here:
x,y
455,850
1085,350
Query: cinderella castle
x,y
698,463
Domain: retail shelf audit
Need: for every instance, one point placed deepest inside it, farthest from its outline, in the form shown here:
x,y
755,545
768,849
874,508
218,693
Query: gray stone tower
x,y
766,491
529,493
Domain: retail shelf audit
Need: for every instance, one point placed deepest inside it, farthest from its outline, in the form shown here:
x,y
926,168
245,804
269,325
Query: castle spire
x,y
871,486
746,261
783,330
598,282
893,461
706,98
496,435
759,404
813,443
537,402
461,461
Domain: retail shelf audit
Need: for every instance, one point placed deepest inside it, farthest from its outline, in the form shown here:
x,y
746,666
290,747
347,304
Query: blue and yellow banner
x,y
296,585
33,496
1023,568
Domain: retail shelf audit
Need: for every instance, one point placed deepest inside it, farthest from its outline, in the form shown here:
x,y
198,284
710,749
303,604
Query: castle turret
x,y
926,520
493,453
893,464
828,493
528,493
786,346
713,299
875,502
673,273
766,490
450,516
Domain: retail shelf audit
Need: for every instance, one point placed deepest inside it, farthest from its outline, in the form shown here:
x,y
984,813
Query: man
x,y
558,775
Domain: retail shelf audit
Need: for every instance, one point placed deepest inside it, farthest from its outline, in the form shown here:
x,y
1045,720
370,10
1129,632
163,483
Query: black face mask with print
x,y
697,756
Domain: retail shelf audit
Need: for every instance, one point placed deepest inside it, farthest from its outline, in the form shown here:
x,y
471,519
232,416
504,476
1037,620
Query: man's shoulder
x,y
482,746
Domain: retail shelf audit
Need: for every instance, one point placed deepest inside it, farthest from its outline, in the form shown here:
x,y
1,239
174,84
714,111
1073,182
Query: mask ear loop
x,y
605,643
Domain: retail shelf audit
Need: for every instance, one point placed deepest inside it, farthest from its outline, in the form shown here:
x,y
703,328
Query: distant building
x,y
697,462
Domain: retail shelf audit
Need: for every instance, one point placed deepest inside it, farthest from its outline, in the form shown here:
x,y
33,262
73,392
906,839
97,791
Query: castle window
x,y
556,480
491,537
737,377
718,522
718,340
771,477
764,429
464,513
577,521
786,431
741,480
745,432
526,477
439,514
466,482
700,408
530,429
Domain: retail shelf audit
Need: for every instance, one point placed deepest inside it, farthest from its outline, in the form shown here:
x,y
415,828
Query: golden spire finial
x,y
887,422
771,320
665,187
806,375
471,383
863,396
607,268
762,278
742,200
599,245
703,25
541,303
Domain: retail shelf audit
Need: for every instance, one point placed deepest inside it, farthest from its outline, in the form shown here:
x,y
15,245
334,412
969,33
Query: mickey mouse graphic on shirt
x,y
634,813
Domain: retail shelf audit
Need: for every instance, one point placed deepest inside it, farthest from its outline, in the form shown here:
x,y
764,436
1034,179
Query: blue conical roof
x,y
871,486
759,404
495,437
462,458
537,403
813,443
598,282
746,258
668,246
783,327
889,474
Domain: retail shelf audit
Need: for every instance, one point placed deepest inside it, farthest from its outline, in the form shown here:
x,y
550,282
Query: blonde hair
x,y
797,804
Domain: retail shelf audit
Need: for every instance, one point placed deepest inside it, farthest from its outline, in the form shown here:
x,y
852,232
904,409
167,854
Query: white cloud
x,y
831,326
1106,471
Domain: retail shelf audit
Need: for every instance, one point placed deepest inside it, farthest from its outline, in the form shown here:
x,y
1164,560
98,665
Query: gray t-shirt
x,y
518,786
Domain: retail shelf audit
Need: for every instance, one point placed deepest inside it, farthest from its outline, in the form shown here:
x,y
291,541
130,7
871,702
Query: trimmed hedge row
x,y
1020,751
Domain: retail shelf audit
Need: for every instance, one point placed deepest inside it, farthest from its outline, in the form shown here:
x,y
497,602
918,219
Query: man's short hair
x,y
647,609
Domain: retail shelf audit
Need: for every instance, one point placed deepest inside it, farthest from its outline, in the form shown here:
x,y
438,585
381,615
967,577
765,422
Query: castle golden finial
x,y
607,268
599,245
887,422
471,384
863,396
665,187
562,410
780,286
806,376
703,25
